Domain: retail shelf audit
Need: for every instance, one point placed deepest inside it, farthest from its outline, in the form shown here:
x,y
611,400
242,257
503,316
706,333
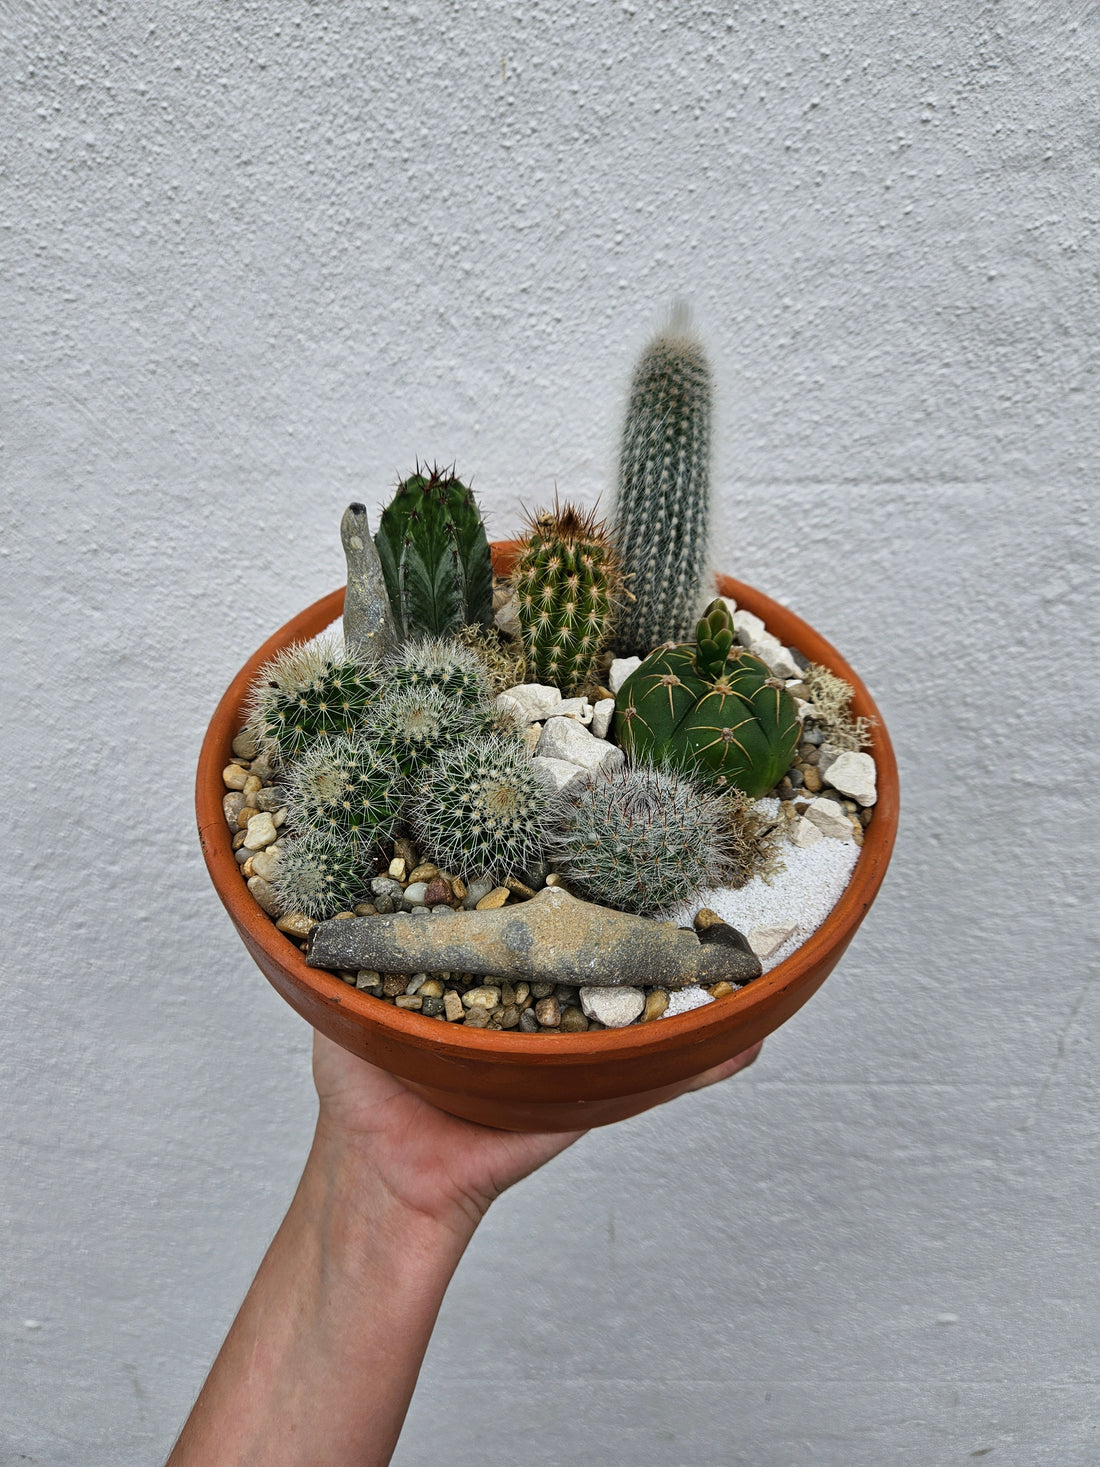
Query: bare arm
x,y
321,1361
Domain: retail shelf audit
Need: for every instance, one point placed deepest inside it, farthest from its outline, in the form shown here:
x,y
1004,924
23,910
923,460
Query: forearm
x,y
321,1361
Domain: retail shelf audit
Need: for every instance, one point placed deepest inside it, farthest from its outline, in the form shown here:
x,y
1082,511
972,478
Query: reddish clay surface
x,y
525,1082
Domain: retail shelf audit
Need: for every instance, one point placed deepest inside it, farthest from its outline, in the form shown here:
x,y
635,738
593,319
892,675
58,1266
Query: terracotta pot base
x,y
532,1082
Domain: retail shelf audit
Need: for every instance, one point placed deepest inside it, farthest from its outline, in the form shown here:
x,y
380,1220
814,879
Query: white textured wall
x,y
255,259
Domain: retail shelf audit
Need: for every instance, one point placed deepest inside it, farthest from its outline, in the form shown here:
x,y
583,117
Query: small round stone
x,y
573,1021
424,872
548,1012
484,997
477,1018
234,777
433,1007
415,893
656,1002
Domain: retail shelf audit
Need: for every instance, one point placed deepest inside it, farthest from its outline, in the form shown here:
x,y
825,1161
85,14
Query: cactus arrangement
x,y
306,693
663,501
480,808
567,586
643,839
710,707
435,557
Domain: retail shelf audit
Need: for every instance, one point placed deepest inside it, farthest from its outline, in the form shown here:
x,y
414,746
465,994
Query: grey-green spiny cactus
x,y
321,875
480,808
345,787
643,839
663,501
308,691
440,662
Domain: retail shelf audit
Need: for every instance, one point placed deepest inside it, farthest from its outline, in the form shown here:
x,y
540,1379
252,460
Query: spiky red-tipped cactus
x,y
567,587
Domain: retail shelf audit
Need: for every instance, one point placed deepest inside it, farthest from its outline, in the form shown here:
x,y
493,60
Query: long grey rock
x,y
369,628
553,938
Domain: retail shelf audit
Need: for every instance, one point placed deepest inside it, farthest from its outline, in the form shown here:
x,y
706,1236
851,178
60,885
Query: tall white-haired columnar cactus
x,y
663,502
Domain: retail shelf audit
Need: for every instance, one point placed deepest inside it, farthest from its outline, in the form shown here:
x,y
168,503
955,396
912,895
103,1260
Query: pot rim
x,y
502,1047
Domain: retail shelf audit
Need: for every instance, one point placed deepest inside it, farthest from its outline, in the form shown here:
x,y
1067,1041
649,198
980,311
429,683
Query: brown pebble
x,y
857,832
366,909
510,1017
574,1021
811,778
507,992
705,918
553,879
296,924
408,1001
431,988
234,777
542,990
477,1019
656,1002
253,785
865,817
246,869
393,984
265,895
438,891
523,992
231,805
601,694
452,1005
426,871
548,1012
239,840
517,888
344,917
496,898
459,887
404,848
721,990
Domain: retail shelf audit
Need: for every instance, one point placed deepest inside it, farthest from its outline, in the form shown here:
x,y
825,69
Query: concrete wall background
x,y
254,261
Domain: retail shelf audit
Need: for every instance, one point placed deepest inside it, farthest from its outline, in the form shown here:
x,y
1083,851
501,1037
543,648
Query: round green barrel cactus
x,y
321,875
710,707
308,691
566,580
443,663
435,557
346,787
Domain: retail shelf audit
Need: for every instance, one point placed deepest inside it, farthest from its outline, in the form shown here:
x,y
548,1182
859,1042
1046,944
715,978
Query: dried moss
x,y
831,697
752,840
502,655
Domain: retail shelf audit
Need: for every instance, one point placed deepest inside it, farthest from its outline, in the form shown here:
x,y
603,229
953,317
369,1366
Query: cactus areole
x,y
710,707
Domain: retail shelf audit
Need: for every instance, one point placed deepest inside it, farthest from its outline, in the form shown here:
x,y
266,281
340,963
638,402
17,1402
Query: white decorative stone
x,y
803,833
578,708
615,1007
559,774
507,619
621,669
261,832
565,738
536,700
266,863
829,818
827,755
765,941
772,651
602,714
749,627
852,774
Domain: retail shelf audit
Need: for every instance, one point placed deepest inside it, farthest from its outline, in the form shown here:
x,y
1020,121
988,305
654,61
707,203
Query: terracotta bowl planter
x,y
524,1082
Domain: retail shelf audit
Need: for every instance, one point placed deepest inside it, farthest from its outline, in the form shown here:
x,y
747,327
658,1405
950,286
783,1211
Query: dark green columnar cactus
x,y
663,502
321,875
711,708
346,787
643,839
309,691
480,809
435,557
567,585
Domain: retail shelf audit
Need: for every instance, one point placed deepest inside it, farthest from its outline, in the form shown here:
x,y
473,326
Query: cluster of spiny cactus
x,y
399,726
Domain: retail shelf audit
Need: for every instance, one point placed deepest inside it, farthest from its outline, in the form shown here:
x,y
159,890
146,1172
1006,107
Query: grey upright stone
x,y
369,628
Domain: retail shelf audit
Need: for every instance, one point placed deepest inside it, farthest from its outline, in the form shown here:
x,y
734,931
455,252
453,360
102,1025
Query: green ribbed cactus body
x,y
663,501
566,582
434,555
308,692
711,708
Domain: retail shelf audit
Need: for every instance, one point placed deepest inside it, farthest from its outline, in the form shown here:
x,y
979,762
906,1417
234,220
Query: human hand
x,y
434,1164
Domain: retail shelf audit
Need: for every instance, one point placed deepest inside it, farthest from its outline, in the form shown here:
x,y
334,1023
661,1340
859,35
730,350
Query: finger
x,y
727,1068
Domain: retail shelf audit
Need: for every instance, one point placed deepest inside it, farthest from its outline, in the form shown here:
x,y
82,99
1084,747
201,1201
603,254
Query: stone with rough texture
x,y
297,924
564,738
559,774
536,700
265,894
552,937
614,1007
853,775
369,629
766,940
493,899
578,708
829,818
802,833
621,669
602,714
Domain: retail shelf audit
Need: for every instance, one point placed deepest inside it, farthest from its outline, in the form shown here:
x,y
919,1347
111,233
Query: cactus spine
x,y
480,808
566,583
710,707
441,662
642,839
663,501
308,691
435,557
